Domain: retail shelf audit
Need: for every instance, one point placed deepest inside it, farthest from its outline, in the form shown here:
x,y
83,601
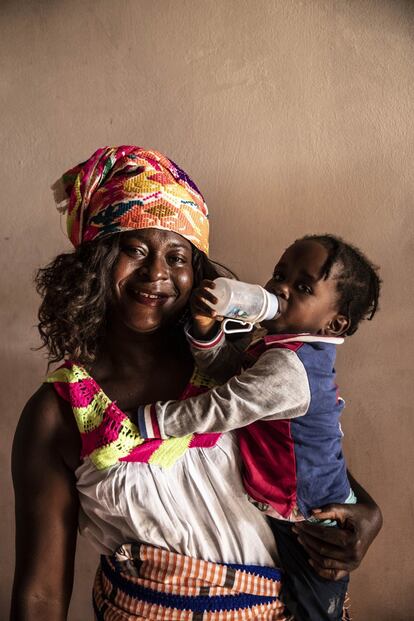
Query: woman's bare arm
x,y
45,454
334,552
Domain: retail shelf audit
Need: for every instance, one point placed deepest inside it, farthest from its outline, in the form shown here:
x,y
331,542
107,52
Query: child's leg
x,y
307,596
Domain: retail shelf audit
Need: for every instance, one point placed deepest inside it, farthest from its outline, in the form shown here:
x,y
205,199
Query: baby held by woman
x,y
279,391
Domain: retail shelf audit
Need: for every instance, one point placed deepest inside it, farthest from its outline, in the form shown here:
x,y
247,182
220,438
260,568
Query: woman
x,y
114,309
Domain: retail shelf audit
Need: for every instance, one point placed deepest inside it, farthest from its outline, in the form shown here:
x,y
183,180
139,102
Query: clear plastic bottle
x,y
243,303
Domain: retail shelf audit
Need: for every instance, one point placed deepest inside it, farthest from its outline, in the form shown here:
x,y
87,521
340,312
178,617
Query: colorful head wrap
x,y
126,188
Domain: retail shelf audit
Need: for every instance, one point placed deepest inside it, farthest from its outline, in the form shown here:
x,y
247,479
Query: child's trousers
x,y
307,596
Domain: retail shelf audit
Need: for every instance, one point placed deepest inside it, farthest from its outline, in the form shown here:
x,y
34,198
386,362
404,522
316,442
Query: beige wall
x,y
294,116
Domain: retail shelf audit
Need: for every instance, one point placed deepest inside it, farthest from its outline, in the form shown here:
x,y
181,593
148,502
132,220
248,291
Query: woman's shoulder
x,y
45,407
47,424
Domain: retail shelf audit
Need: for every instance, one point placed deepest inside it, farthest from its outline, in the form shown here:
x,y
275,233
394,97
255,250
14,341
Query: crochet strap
x,y
108,435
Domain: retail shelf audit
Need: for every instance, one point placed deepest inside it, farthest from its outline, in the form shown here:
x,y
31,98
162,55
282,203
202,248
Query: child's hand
x,y
204,317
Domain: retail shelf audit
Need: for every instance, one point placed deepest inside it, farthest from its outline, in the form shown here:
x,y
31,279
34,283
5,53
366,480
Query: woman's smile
x,y
149,298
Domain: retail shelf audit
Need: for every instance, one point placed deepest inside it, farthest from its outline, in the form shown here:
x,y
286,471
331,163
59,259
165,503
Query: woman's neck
x,y
141,368
123,349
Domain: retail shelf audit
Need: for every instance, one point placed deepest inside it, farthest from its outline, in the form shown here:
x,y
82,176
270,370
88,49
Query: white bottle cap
x,y
272,307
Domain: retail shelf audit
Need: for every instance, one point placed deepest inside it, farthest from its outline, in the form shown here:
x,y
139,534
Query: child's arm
x,y
219,358
214,354
275,387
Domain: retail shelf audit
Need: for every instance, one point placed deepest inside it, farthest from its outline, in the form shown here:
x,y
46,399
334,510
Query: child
x,y
284,400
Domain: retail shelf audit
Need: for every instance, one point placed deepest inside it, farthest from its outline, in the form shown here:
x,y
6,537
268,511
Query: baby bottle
x,y
243,303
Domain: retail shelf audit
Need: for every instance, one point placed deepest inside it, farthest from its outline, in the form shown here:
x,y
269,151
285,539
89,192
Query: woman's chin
x,y
150,325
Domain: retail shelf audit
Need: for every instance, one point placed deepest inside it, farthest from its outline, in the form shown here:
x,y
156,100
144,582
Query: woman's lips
x,y
149,299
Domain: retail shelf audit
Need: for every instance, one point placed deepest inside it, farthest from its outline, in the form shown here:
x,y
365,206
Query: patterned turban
x,y
126,188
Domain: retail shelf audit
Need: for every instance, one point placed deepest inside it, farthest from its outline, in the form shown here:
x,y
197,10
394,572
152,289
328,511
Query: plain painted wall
x,y
293,117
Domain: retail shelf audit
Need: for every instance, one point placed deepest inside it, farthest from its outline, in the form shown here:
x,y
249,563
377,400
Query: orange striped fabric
x,y
144,582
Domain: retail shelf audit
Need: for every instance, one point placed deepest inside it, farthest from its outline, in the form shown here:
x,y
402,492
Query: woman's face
x,y
152,279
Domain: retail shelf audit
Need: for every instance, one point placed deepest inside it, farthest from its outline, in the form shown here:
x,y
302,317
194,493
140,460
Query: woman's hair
x,y
358,283
76,290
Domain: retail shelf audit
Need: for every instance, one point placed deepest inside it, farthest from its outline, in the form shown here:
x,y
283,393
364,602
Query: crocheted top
x,y
108,434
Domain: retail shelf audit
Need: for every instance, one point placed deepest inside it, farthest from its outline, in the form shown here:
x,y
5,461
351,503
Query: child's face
x,y
308,302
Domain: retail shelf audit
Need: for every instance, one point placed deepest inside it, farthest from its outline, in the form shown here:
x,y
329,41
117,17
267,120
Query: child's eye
x,y
305,288
277,277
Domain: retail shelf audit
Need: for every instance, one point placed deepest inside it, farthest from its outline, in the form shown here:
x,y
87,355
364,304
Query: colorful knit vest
x,y
108,435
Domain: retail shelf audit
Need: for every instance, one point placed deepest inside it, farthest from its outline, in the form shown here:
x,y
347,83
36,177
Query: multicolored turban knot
x,y
126,188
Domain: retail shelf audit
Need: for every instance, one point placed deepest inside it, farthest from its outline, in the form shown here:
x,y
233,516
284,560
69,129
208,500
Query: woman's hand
x,y
334,552
204,317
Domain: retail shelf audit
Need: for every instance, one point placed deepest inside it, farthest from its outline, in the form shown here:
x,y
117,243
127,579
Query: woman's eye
x,y
133,251
277,277
177,260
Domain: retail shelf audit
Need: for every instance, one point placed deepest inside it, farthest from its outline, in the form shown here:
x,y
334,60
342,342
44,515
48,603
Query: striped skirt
x,y
142,582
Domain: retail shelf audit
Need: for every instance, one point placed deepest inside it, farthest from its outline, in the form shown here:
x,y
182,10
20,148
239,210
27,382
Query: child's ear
x,y
337,326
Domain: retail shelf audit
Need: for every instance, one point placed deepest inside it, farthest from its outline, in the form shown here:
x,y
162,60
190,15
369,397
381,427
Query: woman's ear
x,y
337,326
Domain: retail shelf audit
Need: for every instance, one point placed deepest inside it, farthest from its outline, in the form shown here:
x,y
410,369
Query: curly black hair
x,y
76,291
358,283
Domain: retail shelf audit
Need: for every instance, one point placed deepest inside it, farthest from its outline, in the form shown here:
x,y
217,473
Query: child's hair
x,y
76,290
358,283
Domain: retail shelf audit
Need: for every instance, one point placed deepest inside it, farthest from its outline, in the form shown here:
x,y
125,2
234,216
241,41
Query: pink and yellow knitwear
x,y
108,435
126,188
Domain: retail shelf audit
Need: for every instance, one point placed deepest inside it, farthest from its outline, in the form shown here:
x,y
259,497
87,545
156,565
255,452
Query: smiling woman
x,y
178,537
152,279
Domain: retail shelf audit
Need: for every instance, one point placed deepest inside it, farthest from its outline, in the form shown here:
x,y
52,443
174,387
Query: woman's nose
x,y
155,268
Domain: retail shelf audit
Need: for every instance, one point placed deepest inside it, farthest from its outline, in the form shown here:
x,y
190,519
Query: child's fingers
x,y
199,302
206,294
328,515
202,301
335,511
209,284
200,307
